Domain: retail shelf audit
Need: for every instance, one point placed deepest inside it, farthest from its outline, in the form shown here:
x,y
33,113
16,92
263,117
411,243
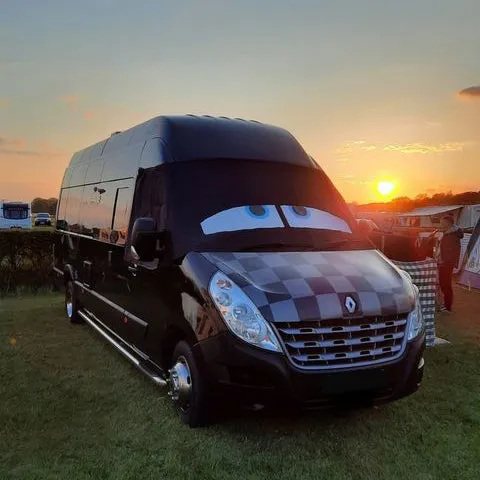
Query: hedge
x,y
26,260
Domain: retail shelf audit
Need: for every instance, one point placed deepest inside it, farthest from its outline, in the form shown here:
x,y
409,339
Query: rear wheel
x,y
71,304
187,387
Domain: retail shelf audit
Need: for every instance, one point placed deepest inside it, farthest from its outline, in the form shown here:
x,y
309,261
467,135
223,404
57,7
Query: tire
x,y
194,411
71,304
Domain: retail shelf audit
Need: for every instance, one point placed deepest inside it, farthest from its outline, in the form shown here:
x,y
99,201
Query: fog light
x,y
421,363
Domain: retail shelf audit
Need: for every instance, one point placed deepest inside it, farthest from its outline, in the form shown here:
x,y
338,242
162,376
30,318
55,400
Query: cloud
x,y
71,101
23,153
470,92
352,180
343,153
19,147
349,149
90,115
425,149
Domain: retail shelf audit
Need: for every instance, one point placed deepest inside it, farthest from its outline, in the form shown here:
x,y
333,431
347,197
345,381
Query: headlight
x,y
241,315
415,318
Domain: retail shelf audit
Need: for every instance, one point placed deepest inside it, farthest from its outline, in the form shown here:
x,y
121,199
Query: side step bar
x,y
155,377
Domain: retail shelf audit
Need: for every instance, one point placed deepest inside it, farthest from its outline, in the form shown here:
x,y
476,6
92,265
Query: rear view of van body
x,y
15,215
218,257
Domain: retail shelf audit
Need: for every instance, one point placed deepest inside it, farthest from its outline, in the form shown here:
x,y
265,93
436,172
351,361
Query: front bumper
x,y
246,374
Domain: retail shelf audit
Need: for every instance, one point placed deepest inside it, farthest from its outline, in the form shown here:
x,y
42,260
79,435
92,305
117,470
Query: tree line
x,y
45,205
406,204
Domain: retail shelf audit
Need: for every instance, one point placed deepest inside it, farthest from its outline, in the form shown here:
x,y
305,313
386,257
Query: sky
x,y
373,89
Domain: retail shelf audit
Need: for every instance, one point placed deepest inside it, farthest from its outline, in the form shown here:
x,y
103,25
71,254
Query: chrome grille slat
x,y
340,329
346,342
348,355
343,343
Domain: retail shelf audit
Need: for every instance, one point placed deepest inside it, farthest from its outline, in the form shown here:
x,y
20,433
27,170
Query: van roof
x,y
189,137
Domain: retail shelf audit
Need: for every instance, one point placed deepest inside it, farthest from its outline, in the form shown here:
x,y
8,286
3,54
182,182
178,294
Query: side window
x,y
62,210
73,209
121,216
97,209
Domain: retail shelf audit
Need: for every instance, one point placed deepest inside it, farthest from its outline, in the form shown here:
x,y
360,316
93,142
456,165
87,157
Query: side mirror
x,y
144,239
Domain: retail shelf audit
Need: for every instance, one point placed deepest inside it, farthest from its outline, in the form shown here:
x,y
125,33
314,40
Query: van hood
x,y
297,286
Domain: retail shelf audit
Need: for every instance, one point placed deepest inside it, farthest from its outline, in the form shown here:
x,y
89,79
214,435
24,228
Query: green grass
x,y
73,408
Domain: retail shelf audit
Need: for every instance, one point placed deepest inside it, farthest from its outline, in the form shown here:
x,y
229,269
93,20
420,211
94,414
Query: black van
x,y
219,258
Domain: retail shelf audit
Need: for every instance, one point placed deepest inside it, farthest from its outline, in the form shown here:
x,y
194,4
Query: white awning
x,y
431,211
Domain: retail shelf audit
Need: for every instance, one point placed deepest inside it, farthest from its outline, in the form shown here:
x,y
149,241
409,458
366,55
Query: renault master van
x,y
217,256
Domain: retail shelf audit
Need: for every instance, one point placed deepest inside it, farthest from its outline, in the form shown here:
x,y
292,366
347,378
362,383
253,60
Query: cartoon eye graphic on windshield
x,y
249,217
257,211
300,211
308,217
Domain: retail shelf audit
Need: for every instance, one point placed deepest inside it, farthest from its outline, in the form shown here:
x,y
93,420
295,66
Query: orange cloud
x,y
71,101
470,92
89,115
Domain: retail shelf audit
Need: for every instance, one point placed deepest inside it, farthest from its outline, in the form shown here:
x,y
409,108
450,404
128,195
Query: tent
x,y
465,216
470,269
463,249
469,216
429,217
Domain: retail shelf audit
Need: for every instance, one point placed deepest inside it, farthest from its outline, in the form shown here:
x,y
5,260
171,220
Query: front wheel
x,y
71,304
187,387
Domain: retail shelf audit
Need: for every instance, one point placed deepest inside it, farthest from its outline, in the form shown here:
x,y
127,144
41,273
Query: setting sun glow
x,y
385,188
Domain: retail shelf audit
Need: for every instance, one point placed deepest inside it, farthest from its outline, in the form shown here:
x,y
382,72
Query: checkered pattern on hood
x,y
290,287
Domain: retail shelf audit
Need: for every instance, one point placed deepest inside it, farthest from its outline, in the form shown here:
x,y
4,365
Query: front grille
x,y
343,343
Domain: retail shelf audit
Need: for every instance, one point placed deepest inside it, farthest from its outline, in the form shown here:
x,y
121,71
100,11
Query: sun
x,y
385,187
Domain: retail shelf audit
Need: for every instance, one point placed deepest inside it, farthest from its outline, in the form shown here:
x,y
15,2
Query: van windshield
x,y
239,205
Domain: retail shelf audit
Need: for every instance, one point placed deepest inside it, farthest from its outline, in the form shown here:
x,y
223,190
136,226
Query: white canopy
x,y
431,211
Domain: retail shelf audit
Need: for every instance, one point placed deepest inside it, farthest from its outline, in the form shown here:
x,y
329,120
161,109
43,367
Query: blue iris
x,y
257,211
300,211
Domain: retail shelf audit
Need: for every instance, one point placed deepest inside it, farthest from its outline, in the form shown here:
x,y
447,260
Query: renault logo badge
x,y
350,305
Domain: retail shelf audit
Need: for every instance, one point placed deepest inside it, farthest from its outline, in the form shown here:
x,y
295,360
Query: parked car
x,y
219,258
43,219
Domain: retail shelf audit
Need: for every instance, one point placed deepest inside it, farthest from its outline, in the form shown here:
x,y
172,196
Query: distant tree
x,y
44,205
401,204
405,204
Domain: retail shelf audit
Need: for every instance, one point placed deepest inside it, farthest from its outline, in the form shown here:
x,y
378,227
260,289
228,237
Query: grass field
x,y
72,408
